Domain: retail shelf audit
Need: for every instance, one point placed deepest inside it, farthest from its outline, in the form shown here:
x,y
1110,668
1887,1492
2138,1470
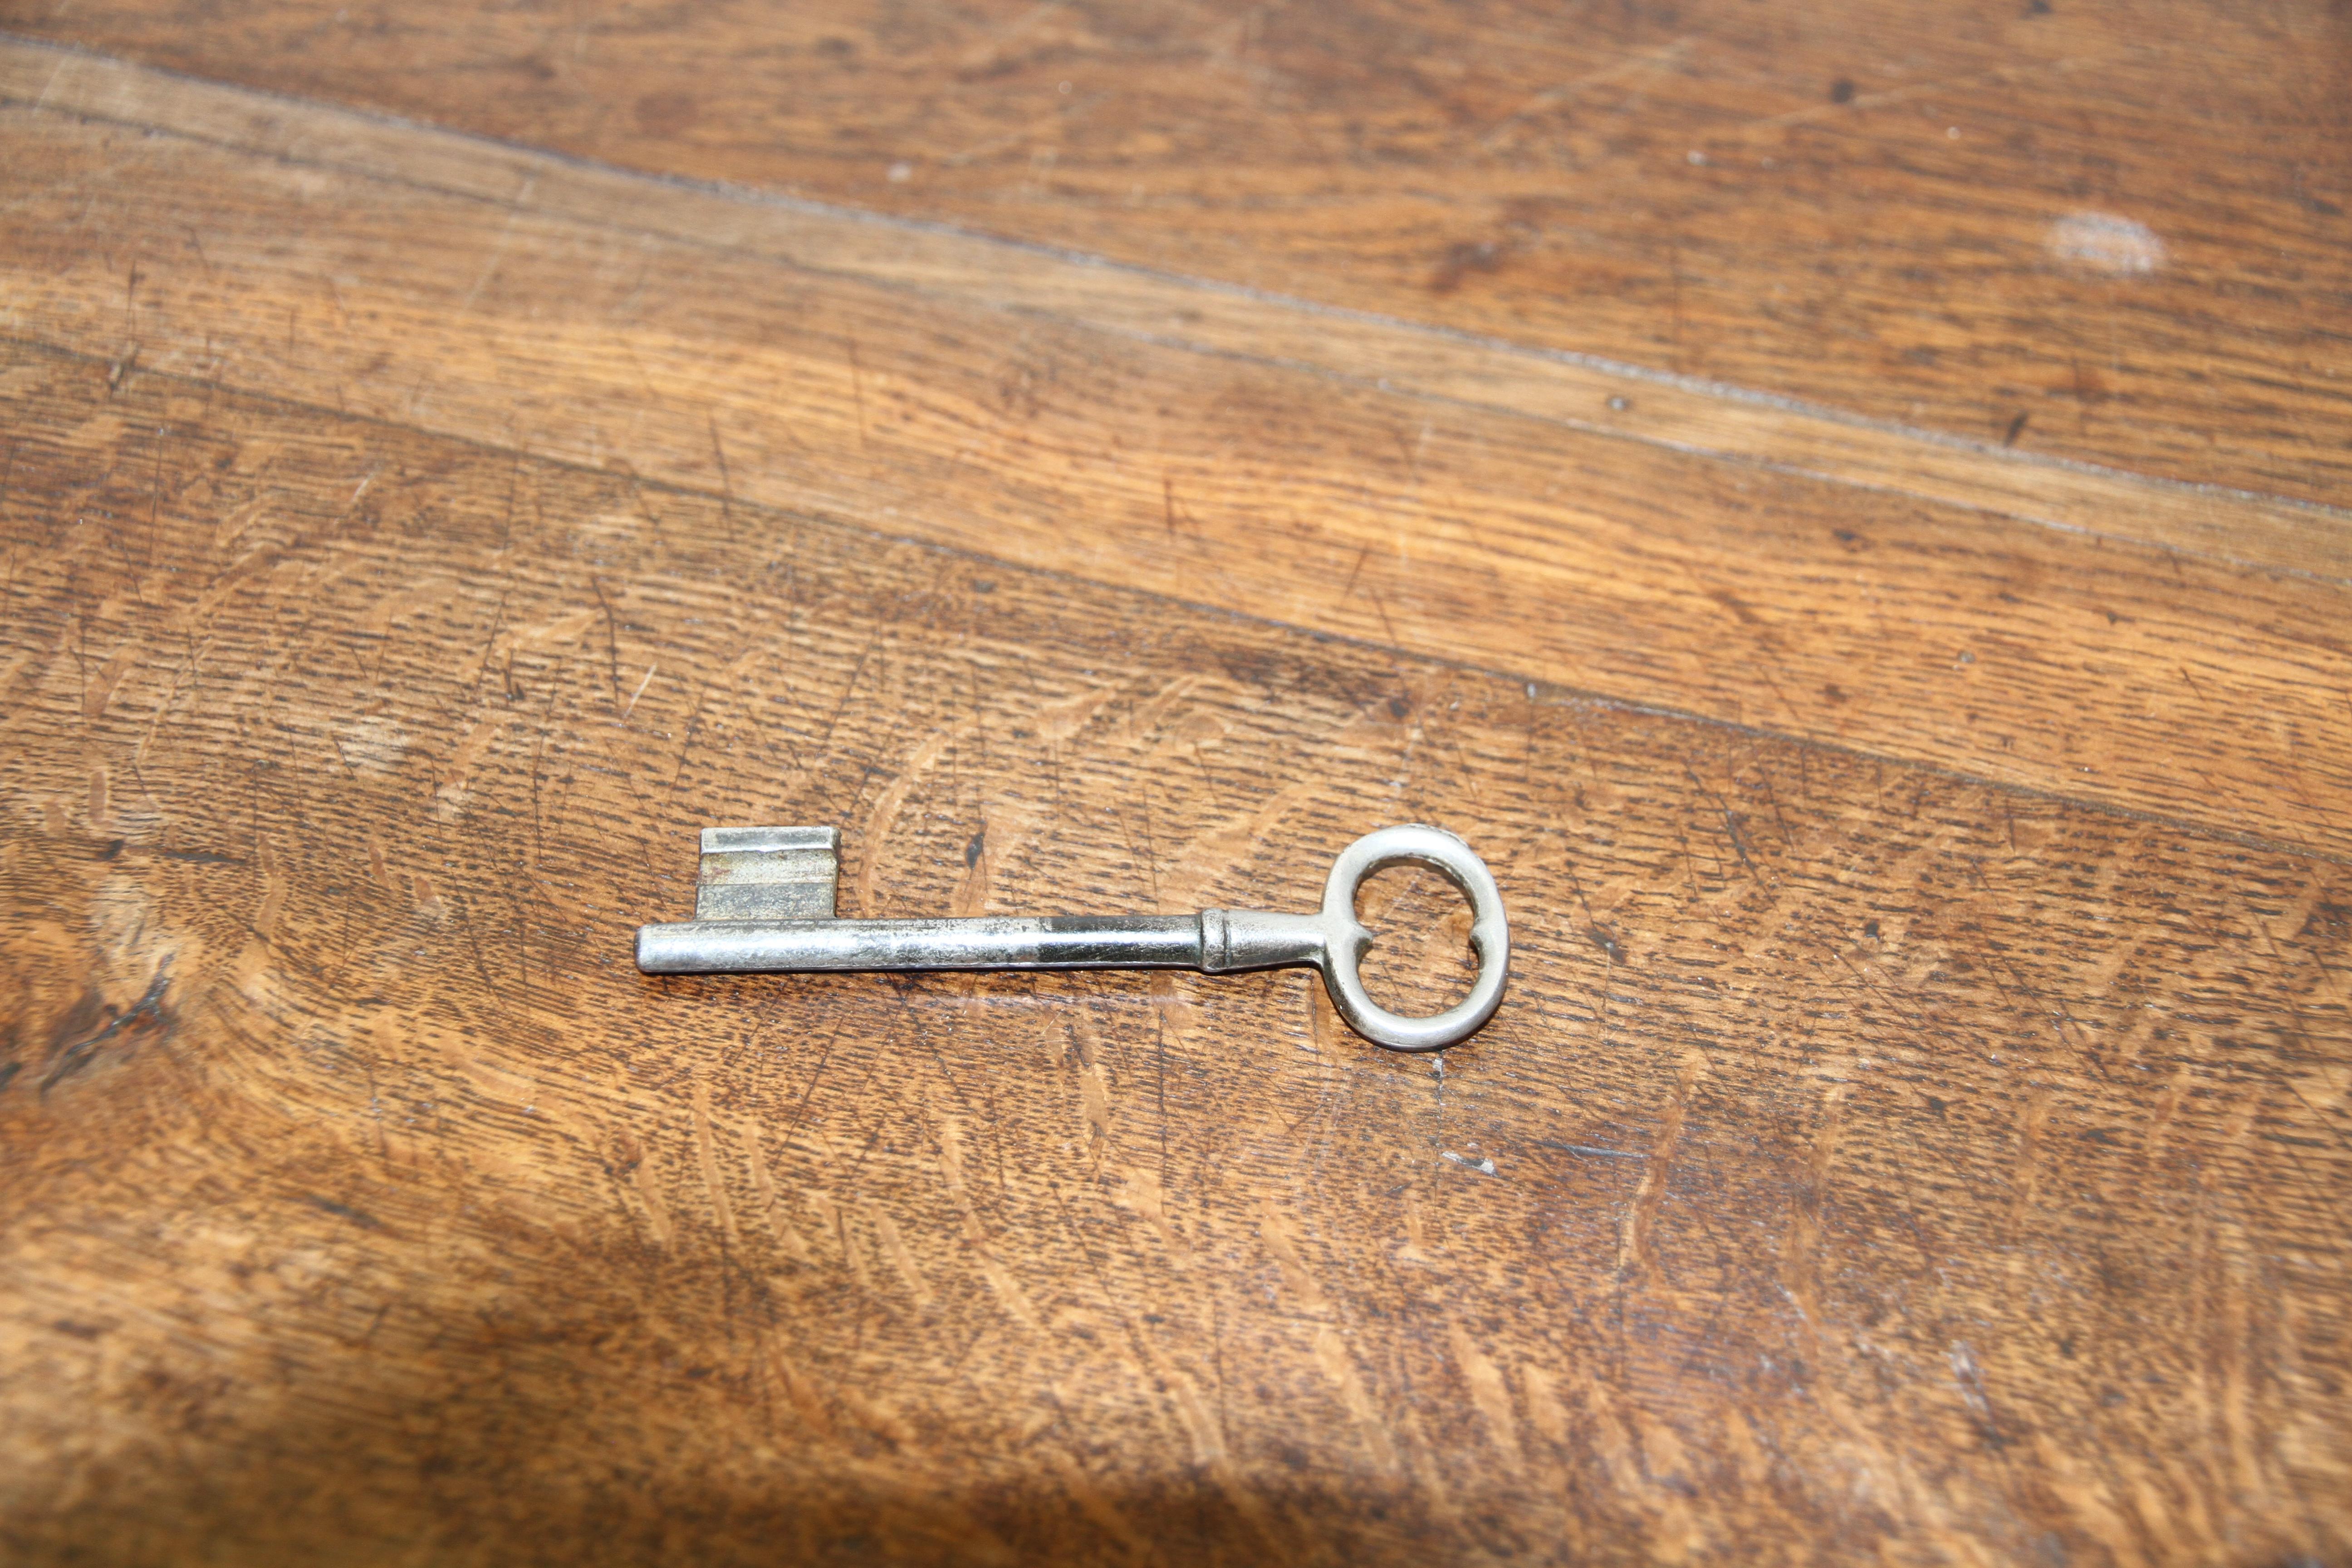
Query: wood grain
x,y
1677,412
2083,666
1883,1164
1916,1129
2115,233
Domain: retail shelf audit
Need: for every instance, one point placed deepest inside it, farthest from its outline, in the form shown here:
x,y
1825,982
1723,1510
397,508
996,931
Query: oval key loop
x,y
1348,941
765,904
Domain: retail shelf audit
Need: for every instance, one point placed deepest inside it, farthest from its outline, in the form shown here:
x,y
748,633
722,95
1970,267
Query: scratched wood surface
x,y
706,346
1917,1130
2113,232
1867,1163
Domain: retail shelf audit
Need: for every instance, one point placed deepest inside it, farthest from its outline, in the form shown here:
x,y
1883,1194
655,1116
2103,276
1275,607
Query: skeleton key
x,y
764,904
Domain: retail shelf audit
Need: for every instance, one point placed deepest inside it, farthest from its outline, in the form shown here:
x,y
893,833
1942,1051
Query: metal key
x,y
763,903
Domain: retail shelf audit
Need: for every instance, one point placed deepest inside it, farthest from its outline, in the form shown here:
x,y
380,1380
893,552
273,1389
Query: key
x,y
764,904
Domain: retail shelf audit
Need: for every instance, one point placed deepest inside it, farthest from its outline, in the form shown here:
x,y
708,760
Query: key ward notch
x,y
768,874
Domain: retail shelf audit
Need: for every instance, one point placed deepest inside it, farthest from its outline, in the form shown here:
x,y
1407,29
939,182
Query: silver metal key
x,y
764,902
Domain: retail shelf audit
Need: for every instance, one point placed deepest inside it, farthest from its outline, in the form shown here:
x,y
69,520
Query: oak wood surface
x,y
1208,317
2114,232
1866,1159
1917,1130
1982,643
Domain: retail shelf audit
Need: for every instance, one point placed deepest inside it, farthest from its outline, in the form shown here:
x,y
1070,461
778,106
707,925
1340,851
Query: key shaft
x,y
987,942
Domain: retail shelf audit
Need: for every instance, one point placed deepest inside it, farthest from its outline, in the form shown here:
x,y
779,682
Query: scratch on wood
x,y
1635,1254
772,1212
2025,1168
1489,1394
901,1256
611,637
707,1149
1338,1368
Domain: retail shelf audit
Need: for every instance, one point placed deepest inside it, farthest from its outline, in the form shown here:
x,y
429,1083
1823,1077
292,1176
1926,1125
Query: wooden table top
x,y
1849,510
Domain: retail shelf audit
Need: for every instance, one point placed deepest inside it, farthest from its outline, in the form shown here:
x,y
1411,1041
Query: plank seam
x,y
1558,692
2124,492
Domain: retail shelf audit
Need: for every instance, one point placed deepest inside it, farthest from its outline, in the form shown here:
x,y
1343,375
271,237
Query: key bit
x,y
763,903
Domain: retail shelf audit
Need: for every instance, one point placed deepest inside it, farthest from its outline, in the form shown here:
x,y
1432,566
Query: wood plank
x,y
1876,1157
2115,234
1673,411
2083,666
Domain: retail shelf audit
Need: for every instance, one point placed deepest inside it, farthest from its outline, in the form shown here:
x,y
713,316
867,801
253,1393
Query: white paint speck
x,y
1696,157
2104,243
902,172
